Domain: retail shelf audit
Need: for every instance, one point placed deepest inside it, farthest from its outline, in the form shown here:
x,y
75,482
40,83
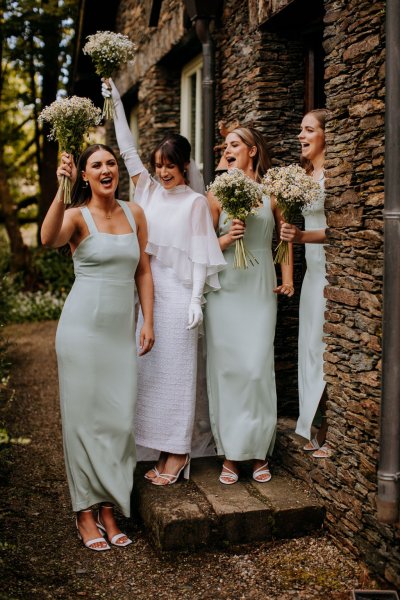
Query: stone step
x,y
204,512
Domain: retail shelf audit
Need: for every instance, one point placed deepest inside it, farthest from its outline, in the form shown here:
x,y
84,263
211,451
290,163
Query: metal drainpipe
x,y
203,33
389,461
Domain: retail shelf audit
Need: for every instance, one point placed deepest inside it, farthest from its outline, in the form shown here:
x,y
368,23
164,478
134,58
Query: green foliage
x,y
54,278
54,269
36,45
20,306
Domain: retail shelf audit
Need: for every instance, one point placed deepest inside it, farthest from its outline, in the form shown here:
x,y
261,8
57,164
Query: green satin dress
x,y
240,323
97,368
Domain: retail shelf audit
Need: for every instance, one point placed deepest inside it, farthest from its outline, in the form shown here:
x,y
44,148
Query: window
x,y
314,96
191,107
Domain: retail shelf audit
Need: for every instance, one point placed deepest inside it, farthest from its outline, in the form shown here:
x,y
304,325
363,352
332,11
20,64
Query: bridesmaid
x,y
185,260
312,391
240,324
95,340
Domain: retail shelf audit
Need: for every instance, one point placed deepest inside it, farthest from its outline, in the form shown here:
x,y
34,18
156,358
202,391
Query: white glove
x,y
195,315
126,143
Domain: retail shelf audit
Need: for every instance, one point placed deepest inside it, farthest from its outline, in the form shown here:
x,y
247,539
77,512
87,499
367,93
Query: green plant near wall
x,y
54,269
54,278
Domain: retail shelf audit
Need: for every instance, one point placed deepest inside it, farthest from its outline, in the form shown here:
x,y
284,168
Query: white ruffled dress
x,y
180,233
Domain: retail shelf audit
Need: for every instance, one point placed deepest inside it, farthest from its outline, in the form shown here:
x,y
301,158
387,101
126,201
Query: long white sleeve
x,y
124,135
199,279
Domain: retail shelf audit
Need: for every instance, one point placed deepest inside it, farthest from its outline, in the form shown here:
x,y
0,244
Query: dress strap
x,y
91,225
128,214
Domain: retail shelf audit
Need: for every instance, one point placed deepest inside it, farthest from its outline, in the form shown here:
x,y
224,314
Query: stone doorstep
x,y
204,512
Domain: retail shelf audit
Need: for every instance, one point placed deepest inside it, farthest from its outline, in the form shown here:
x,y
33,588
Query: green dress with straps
x,y
240,323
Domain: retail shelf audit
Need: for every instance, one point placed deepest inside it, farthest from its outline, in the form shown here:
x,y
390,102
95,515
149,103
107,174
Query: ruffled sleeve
x,y
180,230
204,245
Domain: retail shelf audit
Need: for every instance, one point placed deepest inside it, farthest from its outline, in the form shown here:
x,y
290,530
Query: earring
x,y
85,184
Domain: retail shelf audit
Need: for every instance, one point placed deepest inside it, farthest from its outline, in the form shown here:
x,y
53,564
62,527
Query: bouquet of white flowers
x,y
239,196
70,119
108,51
293,190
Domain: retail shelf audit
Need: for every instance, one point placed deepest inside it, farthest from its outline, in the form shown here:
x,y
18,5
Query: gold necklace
x,y
109,215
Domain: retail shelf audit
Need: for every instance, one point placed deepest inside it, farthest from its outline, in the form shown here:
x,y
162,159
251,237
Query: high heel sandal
x,y
117,536
170,479
323,451
89,543
312,445
229,475
263,470
153,470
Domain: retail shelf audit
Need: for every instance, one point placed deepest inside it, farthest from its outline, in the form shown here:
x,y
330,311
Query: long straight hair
x,y
261,161
81,192
320,114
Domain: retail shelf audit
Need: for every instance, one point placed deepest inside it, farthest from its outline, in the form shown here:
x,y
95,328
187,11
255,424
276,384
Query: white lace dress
x,y
311,322
180,233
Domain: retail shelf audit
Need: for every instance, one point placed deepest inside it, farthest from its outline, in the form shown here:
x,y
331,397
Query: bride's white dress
x,y
180,233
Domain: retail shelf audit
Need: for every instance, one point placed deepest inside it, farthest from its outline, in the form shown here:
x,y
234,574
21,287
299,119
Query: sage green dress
x,y
240,329
96,353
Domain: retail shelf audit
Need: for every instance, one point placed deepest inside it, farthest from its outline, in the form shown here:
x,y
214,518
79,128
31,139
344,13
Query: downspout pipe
x,y
388,498
202,27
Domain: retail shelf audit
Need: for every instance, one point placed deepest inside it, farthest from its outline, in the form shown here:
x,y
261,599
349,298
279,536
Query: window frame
x,y
194,67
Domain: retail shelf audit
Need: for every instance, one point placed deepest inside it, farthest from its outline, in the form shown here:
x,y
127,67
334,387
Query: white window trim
x,y
193,67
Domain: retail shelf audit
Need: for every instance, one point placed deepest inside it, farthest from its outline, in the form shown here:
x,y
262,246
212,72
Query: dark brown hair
x,y
81,193
174,149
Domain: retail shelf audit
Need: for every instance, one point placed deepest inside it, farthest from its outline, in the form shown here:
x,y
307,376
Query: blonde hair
x,y
251,137
320,114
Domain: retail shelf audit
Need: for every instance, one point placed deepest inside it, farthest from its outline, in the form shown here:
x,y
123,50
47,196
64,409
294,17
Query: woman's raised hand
x,y
108,90
67,167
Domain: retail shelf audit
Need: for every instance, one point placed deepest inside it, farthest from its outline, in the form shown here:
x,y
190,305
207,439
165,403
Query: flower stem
x,y
108,109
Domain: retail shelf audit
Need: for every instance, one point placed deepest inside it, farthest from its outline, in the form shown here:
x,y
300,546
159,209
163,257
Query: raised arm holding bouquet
x,y
70,119
95,340
109,51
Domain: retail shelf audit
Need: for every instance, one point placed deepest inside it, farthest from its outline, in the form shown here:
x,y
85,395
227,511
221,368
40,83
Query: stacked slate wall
x,y
355,88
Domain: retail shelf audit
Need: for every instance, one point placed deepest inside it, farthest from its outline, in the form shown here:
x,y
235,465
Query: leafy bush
x,y
19,306
53,279
54,269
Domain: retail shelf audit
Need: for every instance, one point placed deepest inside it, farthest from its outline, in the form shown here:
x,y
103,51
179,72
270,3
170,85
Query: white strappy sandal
x,y
227,474
263,470
116,537
312,445
89,543
155,473
170,479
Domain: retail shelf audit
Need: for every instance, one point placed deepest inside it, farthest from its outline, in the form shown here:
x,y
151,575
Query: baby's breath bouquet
x,y
70,118
293,190
108,51
239,196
